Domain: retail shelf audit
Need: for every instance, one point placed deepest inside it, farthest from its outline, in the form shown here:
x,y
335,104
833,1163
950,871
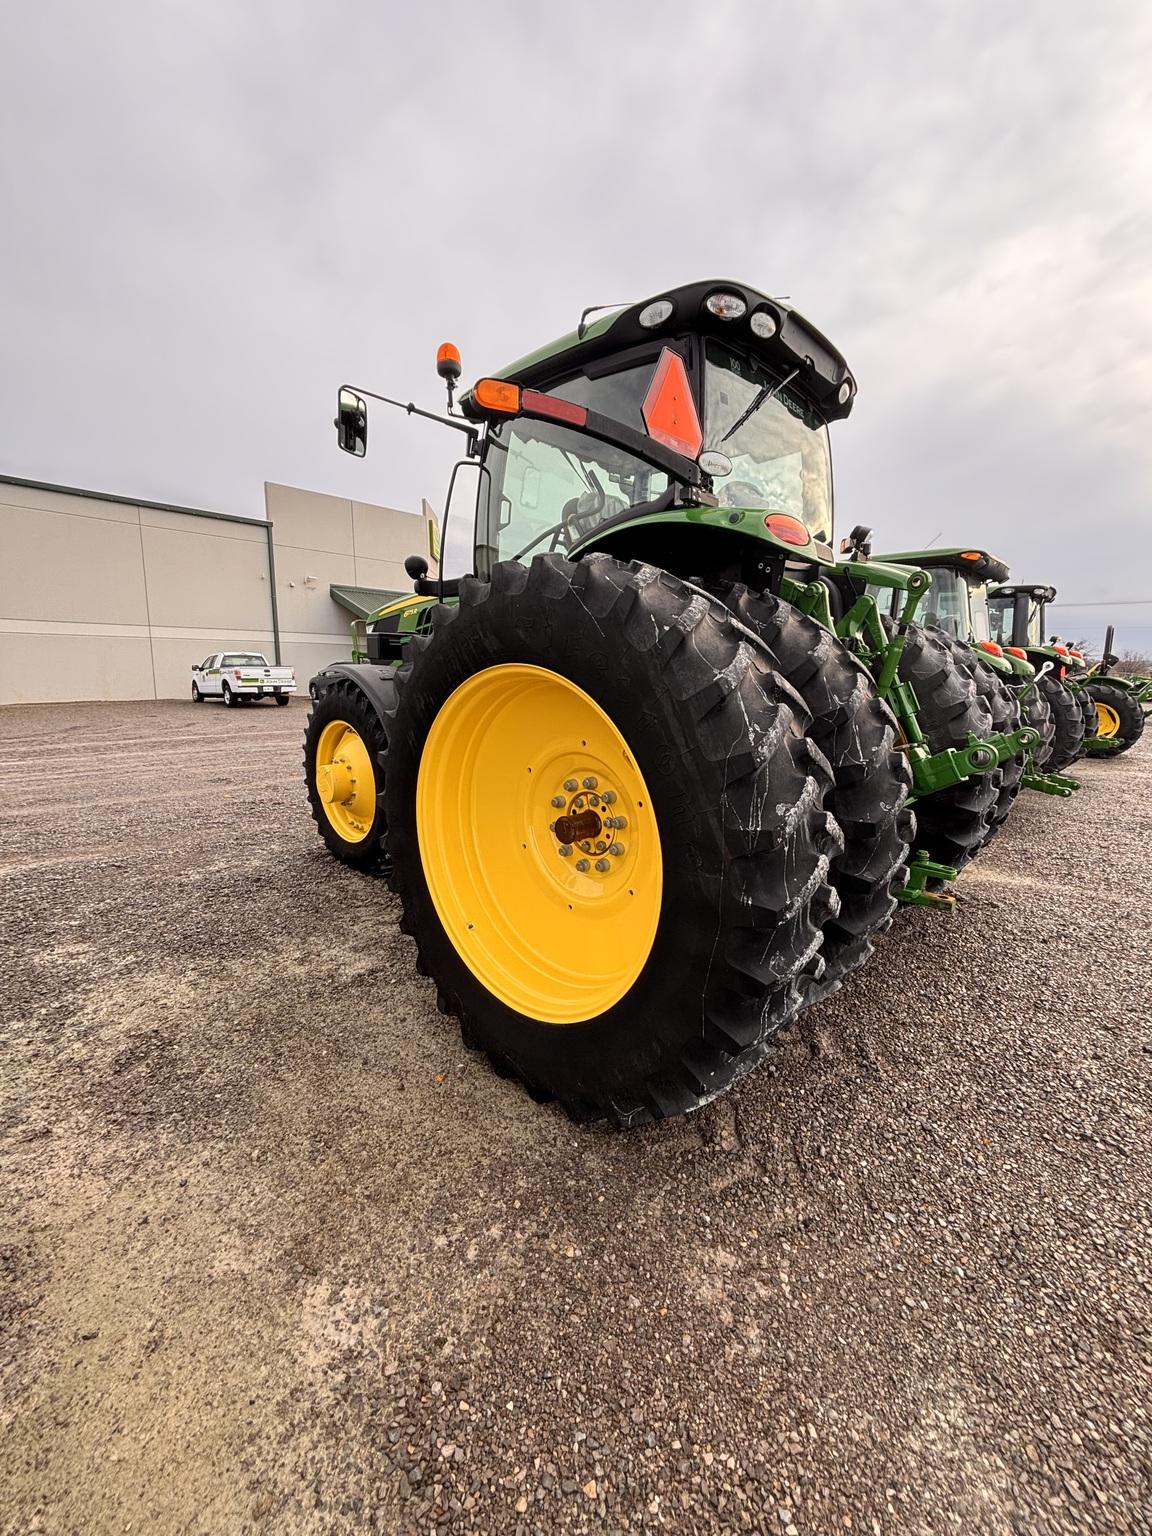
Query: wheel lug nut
x,y
601,847
616,850
619,822
578,803
582,866
565,851
552,827
603,866
570,785
558,802
591,782
609,797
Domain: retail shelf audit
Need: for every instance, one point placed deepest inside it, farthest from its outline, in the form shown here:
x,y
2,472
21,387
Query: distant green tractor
x,y
1113,708
642,782
957,605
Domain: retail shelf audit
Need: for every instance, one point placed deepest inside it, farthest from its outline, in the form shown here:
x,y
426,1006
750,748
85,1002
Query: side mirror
x,y
351,423
416,566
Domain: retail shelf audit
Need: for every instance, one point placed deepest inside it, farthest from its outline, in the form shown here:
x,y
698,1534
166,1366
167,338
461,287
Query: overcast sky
x,y
213,213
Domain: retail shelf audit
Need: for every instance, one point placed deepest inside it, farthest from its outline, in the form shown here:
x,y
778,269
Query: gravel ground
x,y
280,1255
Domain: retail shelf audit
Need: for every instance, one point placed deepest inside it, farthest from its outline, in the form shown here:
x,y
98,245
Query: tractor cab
x,y
1017,613
735,385
957,602
1018,618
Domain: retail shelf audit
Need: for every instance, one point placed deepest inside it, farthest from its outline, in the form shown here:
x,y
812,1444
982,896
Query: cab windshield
x,y
779,452
1002,611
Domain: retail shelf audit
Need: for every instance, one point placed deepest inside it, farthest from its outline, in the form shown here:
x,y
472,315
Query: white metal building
x,y
110,597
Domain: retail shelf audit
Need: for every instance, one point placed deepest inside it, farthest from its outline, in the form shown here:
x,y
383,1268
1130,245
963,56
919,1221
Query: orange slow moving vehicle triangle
x,y
669,410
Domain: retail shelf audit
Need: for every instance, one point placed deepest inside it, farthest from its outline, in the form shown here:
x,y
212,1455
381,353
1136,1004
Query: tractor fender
x,y
376,682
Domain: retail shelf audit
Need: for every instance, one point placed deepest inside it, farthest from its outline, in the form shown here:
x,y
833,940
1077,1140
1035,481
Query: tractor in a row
x,y
655,774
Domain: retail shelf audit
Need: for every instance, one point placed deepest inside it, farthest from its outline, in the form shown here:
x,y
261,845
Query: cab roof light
x,y
1072,651
725,306
448,361
991,647
1015,650
972,554
763,324
497,395
502,398
786,528
1062,650
669,410
656,313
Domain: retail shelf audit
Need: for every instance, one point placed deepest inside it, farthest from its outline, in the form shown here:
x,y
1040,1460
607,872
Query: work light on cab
x,y
725,306
763,324
656,313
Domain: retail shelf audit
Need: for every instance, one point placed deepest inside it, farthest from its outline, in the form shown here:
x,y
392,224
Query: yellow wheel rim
x,y
1107,720
517,761
345,781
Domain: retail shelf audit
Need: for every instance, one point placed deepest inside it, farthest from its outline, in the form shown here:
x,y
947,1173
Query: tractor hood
x,y
740,316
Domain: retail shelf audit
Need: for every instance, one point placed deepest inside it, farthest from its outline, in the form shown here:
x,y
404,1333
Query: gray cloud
x,y
215,213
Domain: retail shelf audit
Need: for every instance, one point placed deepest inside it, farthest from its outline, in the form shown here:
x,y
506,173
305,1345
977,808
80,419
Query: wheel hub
x,y
591,825
345,782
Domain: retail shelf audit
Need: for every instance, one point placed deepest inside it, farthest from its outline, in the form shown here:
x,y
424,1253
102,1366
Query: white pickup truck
x,y
236,676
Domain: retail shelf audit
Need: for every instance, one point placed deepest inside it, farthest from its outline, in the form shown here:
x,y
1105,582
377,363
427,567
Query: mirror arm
x,y
471,432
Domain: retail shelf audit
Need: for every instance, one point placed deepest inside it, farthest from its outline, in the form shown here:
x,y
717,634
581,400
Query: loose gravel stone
x,y
280,1255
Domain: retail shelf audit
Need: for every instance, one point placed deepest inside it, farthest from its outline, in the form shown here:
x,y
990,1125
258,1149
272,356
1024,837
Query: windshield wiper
x,y
766,394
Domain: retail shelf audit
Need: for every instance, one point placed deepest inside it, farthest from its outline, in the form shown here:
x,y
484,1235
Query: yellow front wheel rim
x,y
345,781
1107,720
539,843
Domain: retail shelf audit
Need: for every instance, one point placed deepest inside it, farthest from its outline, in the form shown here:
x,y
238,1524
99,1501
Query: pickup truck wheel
x,y
197,696
281,698
344,743
228,696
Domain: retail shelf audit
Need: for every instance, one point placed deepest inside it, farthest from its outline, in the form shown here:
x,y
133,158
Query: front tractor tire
x,y
953,824
1067,722
344,747
609,834
1119,718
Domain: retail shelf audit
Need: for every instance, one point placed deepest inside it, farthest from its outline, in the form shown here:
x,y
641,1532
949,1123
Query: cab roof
x,y
966,559
1042,593
795,342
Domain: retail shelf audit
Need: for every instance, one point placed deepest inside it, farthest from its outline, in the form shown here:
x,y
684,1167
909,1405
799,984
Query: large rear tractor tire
x,y
344,745
953,824
858,734
1119,719
609,834
1067,721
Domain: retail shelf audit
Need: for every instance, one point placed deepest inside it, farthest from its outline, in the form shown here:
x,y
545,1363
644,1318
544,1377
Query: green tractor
x,y
642,782
1113,708
958,607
